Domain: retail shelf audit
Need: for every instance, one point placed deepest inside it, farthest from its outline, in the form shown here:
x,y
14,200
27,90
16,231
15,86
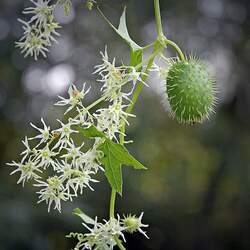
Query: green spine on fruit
x,y
190,90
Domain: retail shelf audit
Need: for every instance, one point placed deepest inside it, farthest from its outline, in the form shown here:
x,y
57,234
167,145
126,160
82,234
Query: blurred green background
x,y
195,193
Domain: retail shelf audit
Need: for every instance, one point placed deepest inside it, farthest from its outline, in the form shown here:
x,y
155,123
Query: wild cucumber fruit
x,y
190,90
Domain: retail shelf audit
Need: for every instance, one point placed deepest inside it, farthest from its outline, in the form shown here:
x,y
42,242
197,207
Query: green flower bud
x,y
190,90
90,4
67,5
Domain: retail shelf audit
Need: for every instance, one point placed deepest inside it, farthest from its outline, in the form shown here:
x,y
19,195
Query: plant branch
x,y
128,110
119,244
150,61
160,34
136,95
112,204
158,18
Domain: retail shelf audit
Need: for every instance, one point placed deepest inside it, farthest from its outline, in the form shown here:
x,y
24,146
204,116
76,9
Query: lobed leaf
x,y
122,30
116,155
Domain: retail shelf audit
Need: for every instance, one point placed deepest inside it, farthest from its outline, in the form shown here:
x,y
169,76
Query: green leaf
x,y
114,156
122,30
83,216
112,167
122,154
91,132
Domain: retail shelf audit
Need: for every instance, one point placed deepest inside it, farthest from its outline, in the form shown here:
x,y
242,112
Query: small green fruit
x,y
132,223
190,90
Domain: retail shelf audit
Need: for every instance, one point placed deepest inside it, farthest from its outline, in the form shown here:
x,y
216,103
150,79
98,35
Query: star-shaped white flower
x,y
52,191
75,97
29,170
44,135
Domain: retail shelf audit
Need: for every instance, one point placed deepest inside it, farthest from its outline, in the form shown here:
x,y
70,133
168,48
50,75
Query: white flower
x,y
39,31
101,236
65,131
41,11
73,152
106,123
135,76
75,97
84,118
44,135
32,43
27,150
52,190
46,157
117,110
28,170
78,179
91,159
110,120
114,78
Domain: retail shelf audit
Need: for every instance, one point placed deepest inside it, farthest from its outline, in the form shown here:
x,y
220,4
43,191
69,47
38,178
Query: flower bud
x,y
90,4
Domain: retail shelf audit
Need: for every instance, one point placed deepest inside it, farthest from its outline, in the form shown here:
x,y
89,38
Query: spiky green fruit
x,y
190,90
132,223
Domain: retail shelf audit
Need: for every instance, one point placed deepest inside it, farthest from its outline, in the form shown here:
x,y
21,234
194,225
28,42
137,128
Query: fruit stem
x,y
160,34
176,47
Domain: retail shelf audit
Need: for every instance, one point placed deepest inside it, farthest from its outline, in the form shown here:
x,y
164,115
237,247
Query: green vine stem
x,y
133,101
158,18
136,95
119,244
112,215
159,45
112,204
128,110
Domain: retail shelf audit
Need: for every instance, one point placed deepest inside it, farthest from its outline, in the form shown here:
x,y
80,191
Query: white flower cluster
x,y
68,166
113,79
105,235
56,151
40,30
